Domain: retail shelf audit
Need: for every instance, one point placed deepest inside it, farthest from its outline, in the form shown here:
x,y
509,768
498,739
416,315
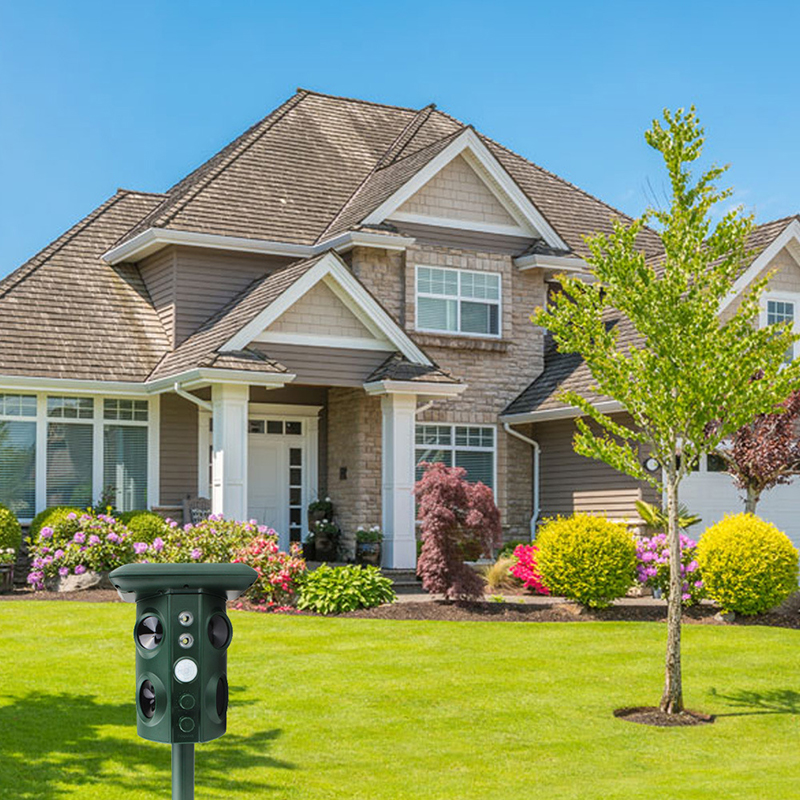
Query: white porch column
x,y
397,455
229,470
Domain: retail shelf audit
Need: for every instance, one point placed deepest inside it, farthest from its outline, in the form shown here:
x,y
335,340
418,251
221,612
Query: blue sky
x,y
98,95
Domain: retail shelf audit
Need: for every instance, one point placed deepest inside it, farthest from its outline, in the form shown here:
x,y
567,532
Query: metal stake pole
x,y
183,771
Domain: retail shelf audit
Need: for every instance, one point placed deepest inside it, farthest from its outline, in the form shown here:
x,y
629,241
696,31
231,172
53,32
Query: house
x,y
341,293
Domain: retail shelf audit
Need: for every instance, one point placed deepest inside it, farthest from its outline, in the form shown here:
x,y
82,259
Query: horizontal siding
x,y
178,449
158,274
326,366
206,280
465,240
570,483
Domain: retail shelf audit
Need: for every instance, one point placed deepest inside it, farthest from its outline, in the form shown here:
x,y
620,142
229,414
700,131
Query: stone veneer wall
x,y
354,444
496,370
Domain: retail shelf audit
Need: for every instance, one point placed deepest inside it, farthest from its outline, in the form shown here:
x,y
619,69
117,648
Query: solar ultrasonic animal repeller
x,y
182,633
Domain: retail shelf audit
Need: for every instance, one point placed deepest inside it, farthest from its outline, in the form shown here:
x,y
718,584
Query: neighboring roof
x,y
564,372
319,165
66,314
398,368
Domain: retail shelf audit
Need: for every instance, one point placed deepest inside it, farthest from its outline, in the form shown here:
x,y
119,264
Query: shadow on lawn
x,y
51,744
778,701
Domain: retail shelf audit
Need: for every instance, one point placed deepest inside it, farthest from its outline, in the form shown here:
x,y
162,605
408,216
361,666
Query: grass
x,y
335,708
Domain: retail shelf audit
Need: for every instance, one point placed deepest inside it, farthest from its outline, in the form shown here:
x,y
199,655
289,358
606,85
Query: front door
x,y
276,471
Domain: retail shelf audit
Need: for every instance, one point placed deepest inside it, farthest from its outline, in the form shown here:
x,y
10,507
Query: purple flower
x,y
173,524
80,569
94,539
112,537
58,554
45,533
79,537
187,527
44,550
158,544
63,572
139,548
72,515
197,553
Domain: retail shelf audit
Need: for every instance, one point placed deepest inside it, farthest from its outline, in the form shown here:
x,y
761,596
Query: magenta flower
x,y
112,537
58,554
63,572
197,553
94,539
139,548
45,533
72,515
80,569
79,537
158,544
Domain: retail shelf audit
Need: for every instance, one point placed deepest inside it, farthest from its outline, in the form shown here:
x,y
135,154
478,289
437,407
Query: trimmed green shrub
x,y
10,532
48,518
334,590
748,565
144,526
588,559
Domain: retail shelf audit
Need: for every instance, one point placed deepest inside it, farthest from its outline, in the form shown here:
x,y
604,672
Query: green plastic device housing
x,y
188,600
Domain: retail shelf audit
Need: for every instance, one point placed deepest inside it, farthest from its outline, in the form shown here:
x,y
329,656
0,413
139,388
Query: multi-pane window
x,y
125,452
458,301
70,432
470,447
18,454
781,311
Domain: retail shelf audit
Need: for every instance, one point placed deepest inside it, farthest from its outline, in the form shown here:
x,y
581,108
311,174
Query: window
x,y
781,311
18,454
459,446
125,453
458,301
70,451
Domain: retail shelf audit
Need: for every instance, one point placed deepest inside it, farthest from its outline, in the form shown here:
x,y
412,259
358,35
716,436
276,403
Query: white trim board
x,y
461,224
349,291
420,388
469,141
566,412
791,233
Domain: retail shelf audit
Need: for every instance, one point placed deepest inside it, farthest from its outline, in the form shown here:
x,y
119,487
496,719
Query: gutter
x,y
204,404
536,460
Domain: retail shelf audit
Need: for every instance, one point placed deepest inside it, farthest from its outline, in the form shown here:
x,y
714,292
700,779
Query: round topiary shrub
x,y
10,531
748,565
588,559
144,526
48,518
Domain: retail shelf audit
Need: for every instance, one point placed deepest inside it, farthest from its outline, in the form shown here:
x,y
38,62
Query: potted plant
x,y
318,511
368,545
8,557
326,540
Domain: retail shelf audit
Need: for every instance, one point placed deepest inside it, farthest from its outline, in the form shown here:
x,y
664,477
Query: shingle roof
x,y
398,368
202,347
67,314
568,372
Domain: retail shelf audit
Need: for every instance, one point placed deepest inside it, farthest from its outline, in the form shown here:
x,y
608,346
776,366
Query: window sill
x,y
460,342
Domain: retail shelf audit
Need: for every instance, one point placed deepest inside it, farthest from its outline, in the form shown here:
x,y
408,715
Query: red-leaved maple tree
x,y
454,514
765,453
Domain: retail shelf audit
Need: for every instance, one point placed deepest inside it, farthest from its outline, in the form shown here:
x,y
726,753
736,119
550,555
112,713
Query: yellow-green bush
x,y
588,559
748,565
10,531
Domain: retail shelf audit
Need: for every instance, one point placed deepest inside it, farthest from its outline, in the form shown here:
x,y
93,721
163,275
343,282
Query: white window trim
x,y
458,298
452,448
97,421
781,297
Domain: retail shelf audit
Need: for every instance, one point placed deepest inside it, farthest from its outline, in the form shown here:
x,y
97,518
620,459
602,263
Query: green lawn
x,y
329,708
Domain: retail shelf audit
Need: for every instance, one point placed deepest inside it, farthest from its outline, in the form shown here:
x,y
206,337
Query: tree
x,y
652,338
765,452
453,513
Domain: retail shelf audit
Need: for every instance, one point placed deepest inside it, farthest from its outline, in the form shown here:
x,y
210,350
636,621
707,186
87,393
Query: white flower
x,y
327,500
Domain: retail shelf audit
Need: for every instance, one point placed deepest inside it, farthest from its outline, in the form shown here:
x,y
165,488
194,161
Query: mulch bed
x,y
787,616
649,715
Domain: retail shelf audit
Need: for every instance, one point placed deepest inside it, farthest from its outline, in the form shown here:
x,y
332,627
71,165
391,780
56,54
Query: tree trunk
x,y
751,500
672,699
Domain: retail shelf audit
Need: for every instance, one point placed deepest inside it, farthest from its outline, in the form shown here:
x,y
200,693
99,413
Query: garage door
x,y
711,494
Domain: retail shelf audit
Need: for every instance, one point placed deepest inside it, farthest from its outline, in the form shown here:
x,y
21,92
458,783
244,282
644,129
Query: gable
x,y
457,192
320,316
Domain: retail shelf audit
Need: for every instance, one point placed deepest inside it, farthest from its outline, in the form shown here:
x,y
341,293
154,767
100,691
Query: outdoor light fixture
x,y
182,635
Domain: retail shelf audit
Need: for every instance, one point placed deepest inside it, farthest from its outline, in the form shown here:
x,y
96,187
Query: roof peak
x,y
361,101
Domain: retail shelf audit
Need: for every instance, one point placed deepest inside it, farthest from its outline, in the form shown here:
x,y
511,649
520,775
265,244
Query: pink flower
x,y
80,569
63,572
139,548
158,544
45,533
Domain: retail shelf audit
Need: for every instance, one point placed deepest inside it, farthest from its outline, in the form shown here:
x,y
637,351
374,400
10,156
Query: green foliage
x,y
48,518
10,534
656,518
211,541
144,526
747,564
335,590
498,575
588,559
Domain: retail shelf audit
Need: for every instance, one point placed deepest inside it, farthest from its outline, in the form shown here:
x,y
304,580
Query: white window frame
x,y
37,447
97,422
458,299
781,297
453,447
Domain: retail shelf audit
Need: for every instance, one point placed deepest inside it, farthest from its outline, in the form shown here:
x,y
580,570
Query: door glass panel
x,y
294,428
256,426
295,491
275,426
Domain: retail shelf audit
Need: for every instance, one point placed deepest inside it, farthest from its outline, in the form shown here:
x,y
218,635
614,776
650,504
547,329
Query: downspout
x,y
204,404
536,453
423,408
